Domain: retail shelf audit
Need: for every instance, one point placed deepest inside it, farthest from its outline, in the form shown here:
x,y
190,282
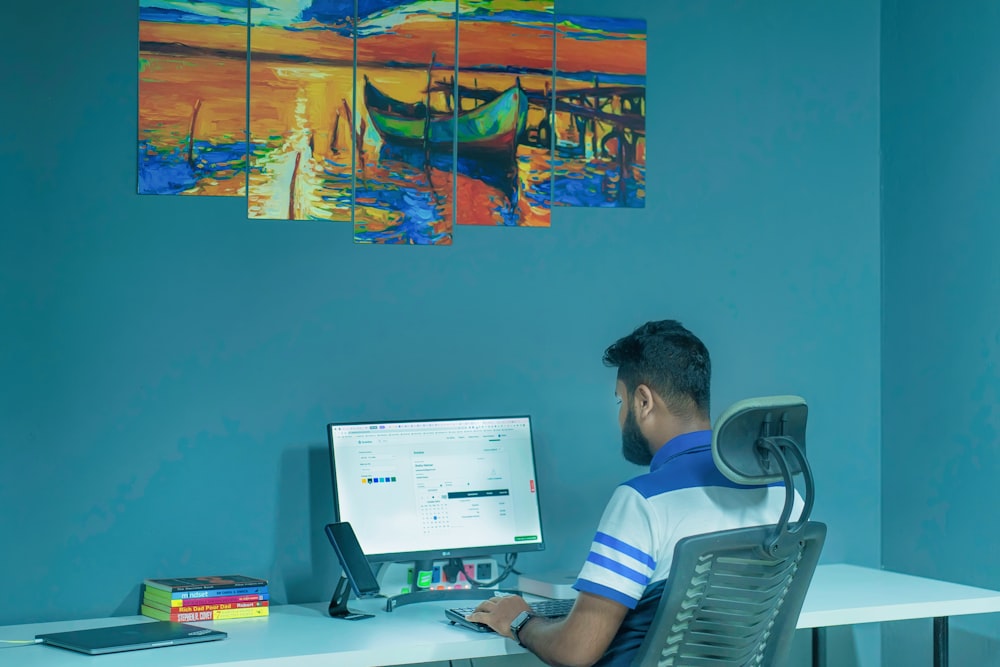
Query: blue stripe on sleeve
x,y
617,568
625,548
587,586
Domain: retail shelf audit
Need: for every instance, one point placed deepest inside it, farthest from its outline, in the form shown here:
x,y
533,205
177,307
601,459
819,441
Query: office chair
x,y
733,597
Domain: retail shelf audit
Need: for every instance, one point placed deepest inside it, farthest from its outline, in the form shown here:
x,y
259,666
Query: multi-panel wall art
x,y
403,118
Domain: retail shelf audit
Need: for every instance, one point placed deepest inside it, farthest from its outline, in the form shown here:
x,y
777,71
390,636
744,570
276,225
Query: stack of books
x,y
204,598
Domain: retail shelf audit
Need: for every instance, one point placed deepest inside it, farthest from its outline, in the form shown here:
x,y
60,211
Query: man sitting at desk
x,y
664,374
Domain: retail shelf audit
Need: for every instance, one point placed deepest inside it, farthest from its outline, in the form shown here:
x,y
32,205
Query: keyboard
x,y
546,608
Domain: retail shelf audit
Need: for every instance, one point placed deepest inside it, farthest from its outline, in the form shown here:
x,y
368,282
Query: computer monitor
x,y
437,489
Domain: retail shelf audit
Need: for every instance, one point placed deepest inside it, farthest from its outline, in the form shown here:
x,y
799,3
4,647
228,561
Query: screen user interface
x,y
442,488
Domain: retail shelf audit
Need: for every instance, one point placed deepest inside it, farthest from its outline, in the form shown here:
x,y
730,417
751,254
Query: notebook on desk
x,y
130,637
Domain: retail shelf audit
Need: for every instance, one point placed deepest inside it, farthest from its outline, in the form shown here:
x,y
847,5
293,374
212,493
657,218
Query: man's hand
x,y
499,612
577,640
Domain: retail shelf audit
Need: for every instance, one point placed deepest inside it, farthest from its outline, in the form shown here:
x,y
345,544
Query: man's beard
x,y
635,446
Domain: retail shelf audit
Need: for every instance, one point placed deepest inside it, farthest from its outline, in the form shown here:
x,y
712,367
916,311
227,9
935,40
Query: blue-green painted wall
x,y
168,366
941,333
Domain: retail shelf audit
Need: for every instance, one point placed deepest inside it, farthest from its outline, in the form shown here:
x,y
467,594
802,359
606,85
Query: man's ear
x,y
642,401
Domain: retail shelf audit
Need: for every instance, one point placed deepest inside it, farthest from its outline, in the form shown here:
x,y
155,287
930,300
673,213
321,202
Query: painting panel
x,y
192,97
600,118
301,105
504,93
404,128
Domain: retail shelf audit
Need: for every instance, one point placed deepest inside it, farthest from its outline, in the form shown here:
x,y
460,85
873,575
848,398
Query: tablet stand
x,y
338,603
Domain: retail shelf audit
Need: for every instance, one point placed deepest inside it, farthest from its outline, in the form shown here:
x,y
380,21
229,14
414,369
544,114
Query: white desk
x,y
848,594
304,636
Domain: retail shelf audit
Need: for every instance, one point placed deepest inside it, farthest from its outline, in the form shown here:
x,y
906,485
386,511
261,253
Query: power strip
x,y
396,578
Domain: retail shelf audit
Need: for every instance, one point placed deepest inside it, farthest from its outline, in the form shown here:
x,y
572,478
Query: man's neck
x,y
676,427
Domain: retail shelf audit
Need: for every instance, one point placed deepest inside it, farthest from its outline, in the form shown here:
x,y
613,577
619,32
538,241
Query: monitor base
x,y
449,594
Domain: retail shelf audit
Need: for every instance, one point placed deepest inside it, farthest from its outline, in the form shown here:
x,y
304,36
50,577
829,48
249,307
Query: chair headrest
x,y
743,424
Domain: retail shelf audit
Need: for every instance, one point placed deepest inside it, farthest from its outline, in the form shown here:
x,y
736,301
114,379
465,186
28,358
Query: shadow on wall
x,y
974,647
972,640
305,568
841,646
129,605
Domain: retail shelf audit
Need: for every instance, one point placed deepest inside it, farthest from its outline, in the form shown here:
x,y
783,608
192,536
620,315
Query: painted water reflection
x,y
191,125
302,154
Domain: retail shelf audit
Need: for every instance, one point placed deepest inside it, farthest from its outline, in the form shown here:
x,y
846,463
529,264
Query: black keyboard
x,y
546,608
551,608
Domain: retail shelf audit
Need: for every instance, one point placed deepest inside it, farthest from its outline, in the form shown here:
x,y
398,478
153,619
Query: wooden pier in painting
x,y
622,107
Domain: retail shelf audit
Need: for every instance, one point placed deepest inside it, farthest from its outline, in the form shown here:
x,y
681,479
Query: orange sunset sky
x,y
413,41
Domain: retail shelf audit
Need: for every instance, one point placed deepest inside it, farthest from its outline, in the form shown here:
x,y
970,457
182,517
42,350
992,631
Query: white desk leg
x,y
819,647
941,641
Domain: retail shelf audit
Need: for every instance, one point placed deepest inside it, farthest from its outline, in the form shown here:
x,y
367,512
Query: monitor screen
x,y
437,489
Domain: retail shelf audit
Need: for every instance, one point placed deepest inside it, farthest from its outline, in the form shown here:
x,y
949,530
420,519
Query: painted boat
x,y
491,130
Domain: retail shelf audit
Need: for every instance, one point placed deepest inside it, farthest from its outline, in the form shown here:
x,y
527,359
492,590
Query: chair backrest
x,y
733,597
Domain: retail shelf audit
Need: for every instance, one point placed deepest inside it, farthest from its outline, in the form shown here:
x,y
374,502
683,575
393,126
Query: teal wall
x,y
168,366
941,332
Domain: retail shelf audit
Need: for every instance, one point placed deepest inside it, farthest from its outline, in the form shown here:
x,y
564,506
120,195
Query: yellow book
x,y
158,605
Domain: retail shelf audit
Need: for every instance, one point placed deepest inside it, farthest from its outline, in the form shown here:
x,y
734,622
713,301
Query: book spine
x,y
221,592
222,599
155,604
184,585
187,616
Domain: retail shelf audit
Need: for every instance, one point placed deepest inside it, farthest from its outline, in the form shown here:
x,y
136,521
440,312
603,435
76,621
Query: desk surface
x,y
849,594
299,635
304,636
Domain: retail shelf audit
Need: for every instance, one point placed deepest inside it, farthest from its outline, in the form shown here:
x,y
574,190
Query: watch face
x,y
518,623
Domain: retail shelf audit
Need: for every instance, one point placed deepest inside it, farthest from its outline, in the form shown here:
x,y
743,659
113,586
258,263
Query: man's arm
x,y
579,640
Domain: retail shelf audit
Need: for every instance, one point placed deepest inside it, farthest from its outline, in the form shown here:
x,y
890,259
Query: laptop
x,y
130,637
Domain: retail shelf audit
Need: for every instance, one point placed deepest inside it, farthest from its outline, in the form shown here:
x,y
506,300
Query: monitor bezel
x,y
444,554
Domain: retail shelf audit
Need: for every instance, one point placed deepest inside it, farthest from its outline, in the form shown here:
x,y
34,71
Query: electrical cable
x,y
17,643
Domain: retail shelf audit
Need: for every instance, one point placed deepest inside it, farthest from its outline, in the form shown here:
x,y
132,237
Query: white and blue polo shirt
x,y
683,494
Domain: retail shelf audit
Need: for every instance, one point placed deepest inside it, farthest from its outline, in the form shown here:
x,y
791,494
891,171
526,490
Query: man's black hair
x,y
668,359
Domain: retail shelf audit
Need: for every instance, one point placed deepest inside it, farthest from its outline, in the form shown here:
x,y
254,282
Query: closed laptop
x,y
130,637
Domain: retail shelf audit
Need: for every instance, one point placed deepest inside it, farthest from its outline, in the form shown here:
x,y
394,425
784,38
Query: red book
x,y
227,599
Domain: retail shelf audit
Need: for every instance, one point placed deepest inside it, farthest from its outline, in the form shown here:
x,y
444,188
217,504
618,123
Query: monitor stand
x,y
433,595
450,594
338,603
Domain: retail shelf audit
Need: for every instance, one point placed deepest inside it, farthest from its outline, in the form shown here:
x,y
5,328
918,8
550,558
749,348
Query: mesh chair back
x,y
728,603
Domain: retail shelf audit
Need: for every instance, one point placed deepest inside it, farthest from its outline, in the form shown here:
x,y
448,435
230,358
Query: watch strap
x,y
519,622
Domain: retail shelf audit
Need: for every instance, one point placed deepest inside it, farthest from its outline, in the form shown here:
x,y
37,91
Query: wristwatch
x,y
519,622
